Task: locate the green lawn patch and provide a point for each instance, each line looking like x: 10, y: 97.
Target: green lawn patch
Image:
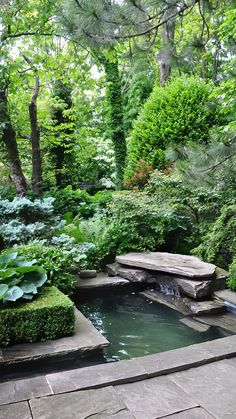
x: 48, y: 317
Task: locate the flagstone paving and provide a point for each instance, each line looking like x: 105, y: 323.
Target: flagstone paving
x: 201, y: 386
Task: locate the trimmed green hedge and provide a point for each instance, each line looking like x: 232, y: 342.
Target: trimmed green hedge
x: 48, y: 317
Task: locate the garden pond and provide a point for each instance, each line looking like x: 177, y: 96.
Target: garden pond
x: 136, y: 326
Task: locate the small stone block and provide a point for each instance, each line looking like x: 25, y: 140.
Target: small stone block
x: 87, y: 273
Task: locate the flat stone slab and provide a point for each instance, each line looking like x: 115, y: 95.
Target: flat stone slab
x: 212, y: 386
x: 226, y: 295
x: 85, y: 339
x: 205, y: 307
x: 174, y: 303
x: 96, y: 376
x: 102, y: 280
x: 188, y: 356
x: 189, y: 266
x: 15, y: 391
x: 100, y: 403
x: 225, y: 321
x: 193, y: 324
x: 154, y: 398
x: 195, y: 413
x: 15, y: 410
x: 136, y: 274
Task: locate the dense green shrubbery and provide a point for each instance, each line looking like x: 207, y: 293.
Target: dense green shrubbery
x: 177, y: 114
x: 135, y: 221
x: 58, y: 264
x: 50, y: 316
x: 72, y: 201
x: 19, y: 279
x: 219, y: 244
x: 232, y: 275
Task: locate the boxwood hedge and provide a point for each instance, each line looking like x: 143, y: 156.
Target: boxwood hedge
x: 48, y: 317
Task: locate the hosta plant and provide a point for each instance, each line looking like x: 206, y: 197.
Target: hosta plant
x: 19, y: 279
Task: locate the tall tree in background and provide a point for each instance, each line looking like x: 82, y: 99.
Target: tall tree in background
x: 62, y: 148
x: 8, y: 138
x: 35, y: 142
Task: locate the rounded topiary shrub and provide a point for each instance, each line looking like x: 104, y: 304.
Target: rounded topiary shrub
x: 178, y: 113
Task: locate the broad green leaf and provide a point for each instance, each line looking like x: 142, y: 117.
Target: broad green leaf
x: 8, y: 257
x: 28, y: 287
x: 3, y: 290
x: 26, y: 263
x: 7, y: 273
x: 13, y: 294
x: 39, y: 278
x: 27, y: 296
x: 26, y: 269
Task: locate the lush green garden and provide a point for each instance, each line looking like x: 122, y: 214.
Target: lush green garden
x: 118, y: 133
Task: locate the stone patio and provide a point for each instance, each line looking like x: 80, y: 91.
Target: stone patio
x: 195, y: 382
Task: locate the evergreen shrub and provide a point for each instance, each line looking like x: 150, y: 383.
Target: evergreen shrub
x: 219, y: 244
x: 178, y: 113
x: 50, y: 316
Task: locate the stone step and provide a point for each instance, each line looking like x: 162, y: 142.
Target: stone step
x: 183, y: 265
x: 102, y: 280
x: 205, y: 307
x: 195, y: 325
x: 174, y: 303
x: 226, y: 321
x: 226, y: 296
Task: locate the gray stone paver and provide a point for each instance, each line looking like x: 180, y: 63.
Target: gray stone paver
x: 15, y: 391
x: 203, y: 392
x: 99, y: 403
x: 154, y: 397
x: 213, y: 386
x: 195, y: 413
x: 15, y: 411
x: 96, y: 376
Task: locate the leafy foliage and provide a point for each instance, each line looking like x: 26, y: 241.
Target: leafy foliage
x: 232, y: 275
x: 219, y: 244
x: 19, y: 278
x: 180, y: 113
x: 57, y: 263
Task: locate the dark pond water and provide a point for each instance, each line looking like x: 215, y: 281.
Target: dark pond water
x: 137, y: 327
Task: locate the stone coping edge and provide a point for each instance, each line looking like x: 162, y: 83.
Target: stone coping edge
x: 155, y: 365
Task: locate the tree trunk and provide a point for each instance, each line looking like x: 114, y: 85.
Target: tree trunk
x: 114, y: 94
x: 166, y: 55
x: 8, y: 137
x: 35, y: 142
